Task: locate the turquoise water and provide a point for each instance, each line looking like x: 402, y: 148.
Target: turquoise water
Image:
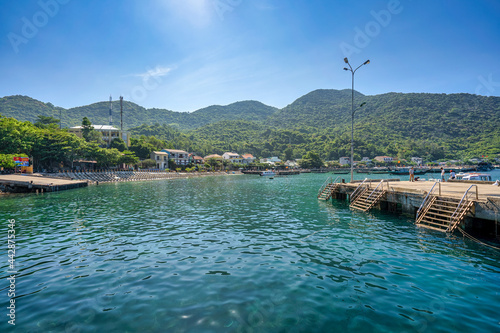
x: 236, y: 254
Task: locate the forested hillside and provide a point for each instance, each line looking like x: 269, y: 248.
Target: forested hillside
x: 25, y: 108
x: 432, y: 126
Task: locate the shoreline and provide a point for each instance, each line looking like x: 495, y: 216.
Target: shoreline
x: 50, y: 182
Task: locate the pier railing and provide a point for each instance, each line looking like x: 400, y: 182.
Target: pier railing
x: 358, y: 190
x: 327, y: 182
x: 427, y: 200
x: 376, y: 188
x: 461, y: 209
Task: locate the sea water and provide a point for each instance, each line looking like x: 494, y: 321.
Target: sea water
x: 235, y: 253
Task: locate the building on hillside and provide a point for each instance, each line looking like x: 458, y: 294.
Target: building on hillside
x: 248, y: 158
x: 232, y: 157
x: 345, y: 161
x: 417, y: 160
x: 270, y: 160
x: 291, y: 164
x: 197, y: 160
x: 365, y: 159
x: 180, y: 157
x: 161, y: 159
x: 385, y: 159
x: 109, y: 133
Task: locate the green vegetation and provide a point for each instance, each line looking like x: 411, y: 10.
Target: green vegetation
x: 50, y: 147
x: 431, y: 126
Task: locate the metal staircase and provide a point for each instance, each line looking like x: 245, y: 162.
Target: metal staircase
x: 363, y: 198
x: 444, y: 214
x: 327, y: 189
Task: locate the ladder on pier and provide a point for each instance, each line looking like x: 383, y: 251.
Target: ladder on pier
x: 444, y: 214
x: 328, y: 188
x: 364, y: 198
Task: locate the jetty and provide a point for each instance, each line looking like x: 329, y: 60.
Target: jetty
x: 30, y: 183
x: 440, y: 206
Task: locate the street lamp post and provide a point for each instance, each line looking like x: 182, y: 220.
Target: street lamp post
x: 352, y: 111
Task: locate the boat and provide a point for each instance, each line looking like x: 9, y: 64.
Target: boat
x: 474, y: 176
x: 406, y: 171
x: 268, y: 173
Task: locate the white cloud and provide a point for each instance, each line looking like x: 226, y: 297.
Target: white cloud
x: 158, y: 71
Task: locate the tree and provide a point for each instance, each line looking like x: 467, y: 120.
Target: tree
x: 7, y: 161
x: 119, y: 144
x: 47, y: 122
x: 128, y: 158
x: 311, y: 160
x: 142, y: 149
x: 87, y: 128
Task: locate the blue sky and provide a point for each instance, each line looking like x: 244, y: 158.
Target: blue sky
x: 183, y: 55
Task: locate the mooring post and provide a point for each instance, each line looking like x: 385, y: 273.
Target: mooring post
x: 439, y: 188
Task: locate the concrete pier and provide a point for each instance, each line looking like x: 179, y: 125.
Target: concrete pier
x: 406, y: 197
x: 29, y: 183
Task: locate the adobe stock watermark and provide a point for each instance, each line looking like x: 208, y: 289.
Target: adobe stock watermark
x: 363, y: 37
x: 11, y: 293
x: 487, y: 84
x: 223, y: 6
x: 31, y: 26
x: 151, y: 80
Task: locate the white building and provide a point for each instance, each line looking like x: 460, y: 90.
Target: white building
x: 344, y: 161
x: 108, y: 133
x: 270, y: 160
x: 417, y: 160
x: 161, y: 159
x: 232, y: 157
x: 385, y: 159
x: 180, y: 157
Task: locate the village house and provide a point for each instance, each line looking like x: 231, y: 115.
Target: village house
x: 180, y: 157
x: 270, y: 160
x: 385, y: 159
x: 344, y: 161
x: 232, y: 157
x: 197, y: 160
x: 161, y: 159
x: 248, y: 158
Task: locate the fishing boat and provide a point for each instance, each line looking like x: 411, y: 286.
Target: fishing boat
x: 268, y: 173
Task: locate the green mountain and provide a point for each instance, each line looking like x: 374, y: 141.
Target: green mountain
x: 25, y: 108
x: 432, y: 126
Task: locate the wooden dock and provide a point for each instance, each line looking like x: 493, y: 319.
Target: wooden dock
x: 30, y: 183
x: 440, y: 206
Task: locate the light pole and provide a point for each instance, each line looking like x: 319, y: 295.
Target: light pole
x: 352, y: 111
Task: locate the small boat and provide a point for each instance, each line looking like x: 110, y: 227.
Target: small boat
x: 474, y: 176
x: 268, y: 173
x: 406, y: 171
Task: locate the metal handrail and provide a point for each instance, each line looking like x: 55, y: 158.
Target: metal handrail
x: 464, y: 197
x: 425, y: 199
x: 325, y: 184
x: 354, y: 194
x: 381, y: 182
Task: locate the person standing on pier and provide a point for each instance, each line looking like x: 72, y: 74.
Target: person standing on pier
x: 412, y: 175
x: 442, y: 175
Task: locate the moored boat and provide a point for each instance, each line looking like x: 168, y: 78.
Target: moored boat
x: 474, y: 176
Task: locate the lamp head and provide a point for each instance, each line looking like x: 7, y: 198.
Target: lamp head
x: 366, y: 62
x: 346, y: 69
x: 345, y: 60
